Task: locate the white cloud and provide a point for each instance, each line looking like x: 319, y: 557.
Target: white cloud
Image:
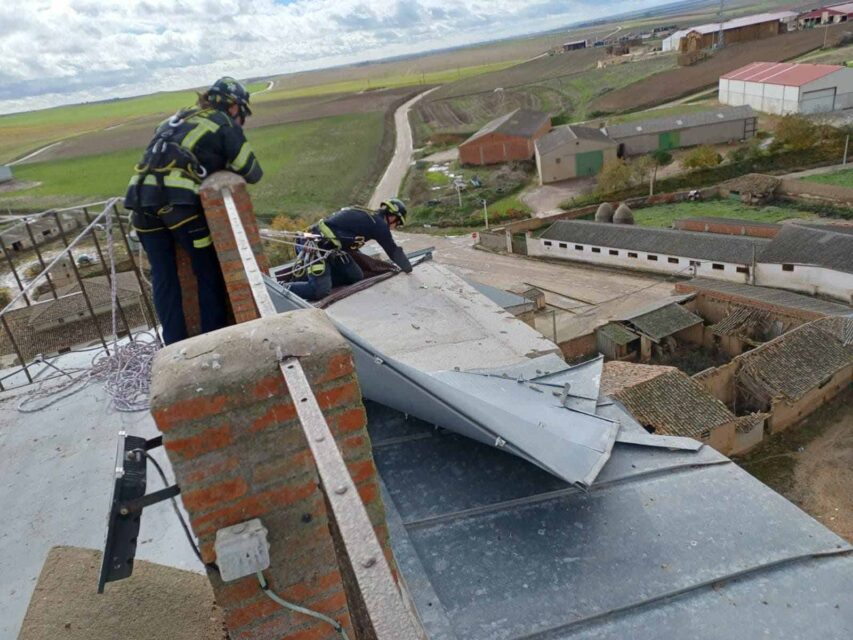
x: 60, y: 51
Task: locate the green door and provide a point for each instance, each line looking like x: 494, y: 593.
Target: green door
x: 589, y: 163
x: 669, y: 140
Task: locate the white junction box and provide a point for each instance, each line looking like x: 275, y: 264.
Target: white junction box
x: 242, y: 550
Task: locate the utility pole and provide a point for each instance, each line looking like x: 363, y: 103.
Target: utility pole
x: 554, y: 325
x: 486, y: 215
x: 721, y: 38
x: 846, y: 146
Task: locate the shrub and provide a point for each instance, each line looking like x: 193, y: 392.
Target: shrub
x: 795, y: 132
x: 615, y: 176
x: 702, y: 157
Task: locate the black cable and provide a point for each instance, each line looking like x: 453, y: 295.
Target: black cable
x: 174, y: 505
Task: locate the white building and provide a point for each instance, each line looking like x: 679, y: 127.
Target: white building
x: 815, y: 259
x: 787, y: 87
x: 668, y: 251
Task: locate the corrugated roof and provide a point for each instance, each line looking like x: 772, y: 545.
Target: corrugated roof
x: 810, y: 245
x: 800, y: 360
x: 751, y: 294
x: 696, y: 245
x: 70, y: 300
x: 675, y: 123
x: 789, y: 74
x: 618, y: 333
x: 735, y: 23
x: 675, y: 404
x: 521, y: 122
x: 569, y: 134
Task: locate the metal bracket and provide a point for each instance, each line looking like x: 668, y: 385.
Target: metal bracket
x: 126, y: 505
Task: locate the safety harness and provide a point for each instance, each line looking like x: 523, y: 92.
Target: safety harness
x: 169, y: 162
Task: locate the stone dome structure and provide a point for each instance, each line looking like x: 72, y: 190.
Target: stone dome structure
x: 604, y: 213
x: 623, y: 215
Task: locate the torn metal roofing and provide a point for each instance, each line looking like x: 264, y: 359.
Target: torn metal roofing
x: 663, y: 545
x: 429, y: 345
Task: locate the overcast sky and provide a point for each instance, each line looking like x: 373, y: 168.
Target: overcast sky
x: 61, y: 51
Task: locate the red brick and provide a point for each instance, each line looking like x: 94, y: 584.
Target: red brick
x: 241, y: 616
x: 330, y: 604
x: 275, y: 415
x: 189, y: 410
x: 368, y: 493
x: 204, y: 442
x: 349, y: 420
x: 337, y: 367
x: 362, y: 470
x: 214, y: 495
x: 232, y: 594
x: 252, y: 506
x: 208, y: 469
x: 347, y: 393
x: 312, y: 589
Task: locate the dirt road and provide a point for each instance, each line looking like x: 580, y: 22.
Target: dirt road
x: 390, y: 183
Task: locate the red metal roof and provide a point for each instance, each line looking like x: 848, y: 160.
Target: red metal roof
x: 785, y: 73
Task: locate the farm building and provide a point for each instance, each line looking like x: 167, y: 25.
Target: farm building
x: 649, y: 249
x: 510, y: 137
x: 574, y: 45
x: 571, y: 151
x: 744, y: 29
x: 787, y: 87
x: 814, y: 259
x: 673, y: 132
x: 6, y: 174
x: 832, y: 14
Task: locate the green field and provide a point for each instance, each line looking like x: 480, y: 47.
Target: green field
x: 21, y: 133
x: 843, y: 178
x: 664, y: 215
x: 310, y: 168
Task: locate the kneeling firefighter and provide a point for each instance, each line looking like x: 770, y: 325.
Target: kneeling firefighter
x: 163, y: 195
x: 326, y: 256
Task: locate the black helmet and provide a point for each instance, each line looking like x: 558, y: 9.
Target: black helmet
x: 395, y: 207
x: 227, y: 91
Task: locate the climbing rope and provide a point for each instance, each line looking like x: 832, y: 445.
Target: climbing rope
x: 124, y: 369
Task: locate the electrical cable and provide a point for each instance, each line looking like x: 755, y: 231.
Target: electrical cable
x: 337, y: 626
x: 174, y: 502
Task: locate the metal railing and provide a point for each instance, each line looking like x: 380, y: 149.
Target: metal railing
x: 376, y: 604
x: 46, y: 316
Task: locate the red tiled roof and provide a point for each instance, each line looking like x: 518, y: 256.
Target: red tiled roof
x: 785, y: 73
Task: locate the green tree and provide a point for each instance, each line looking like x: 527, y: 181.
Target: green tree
x: 795, y: 132
x: 615, y: 176
x: 702, y: 157
x: 642, y: 169
x: 661, y: 157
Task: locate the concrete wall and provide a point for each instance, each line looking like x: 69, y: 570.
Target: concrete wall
x: 722, y: 438
x: 639, y: 260
x: 779, y: 99
x: 784, y: 414
x: 815, y: 192
x: 807, y: 279
x: 743, y: 442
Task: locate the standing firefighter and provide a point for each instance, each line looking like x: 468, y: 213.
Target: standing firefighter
x: 326, y: 258
x: 163, y: 195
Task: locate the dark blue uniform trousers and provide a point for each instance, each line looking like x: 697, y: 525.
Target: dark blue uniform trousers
x: 340, y: 270
x: 159, y: 244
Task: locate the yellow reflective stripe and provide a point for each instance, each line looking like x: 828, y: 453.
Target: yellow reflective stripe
x: 317, y: 268
x: 183, y: 222
x: 202, y: 243
x: 328, y: 233
x: 242, y: 157
x: 202, y: 126
x: 174, y: 180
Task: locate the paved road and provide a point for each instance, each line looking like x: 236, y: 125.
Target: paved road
x: 389, y: 185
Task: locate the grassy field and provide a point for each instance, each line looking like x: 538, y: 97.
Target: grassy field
x: 664, y: 215
x: 21, y: 133
x: 310, y: 168
x: 843, y: 178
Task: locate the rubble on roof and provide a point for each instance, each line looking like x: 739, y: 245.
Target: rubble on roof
x: 665, y: 321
